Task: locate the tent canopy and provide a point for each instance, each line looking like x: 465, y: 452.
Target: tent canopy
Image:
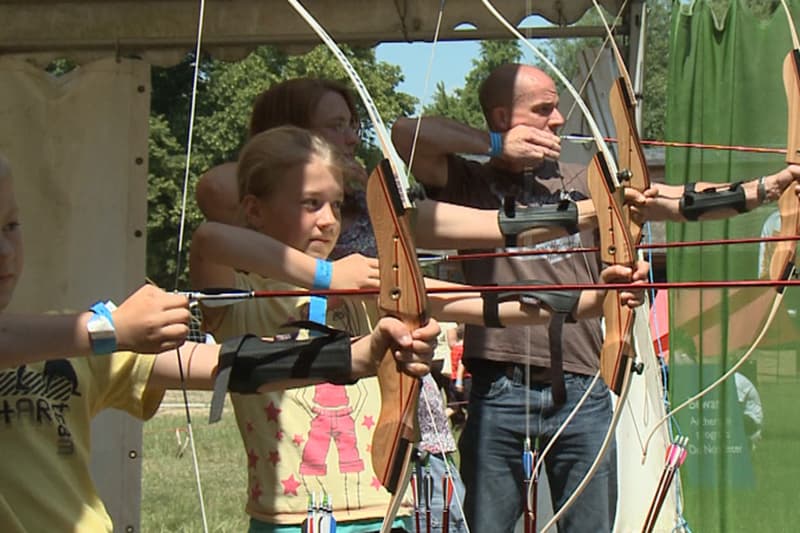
x: 162, y: 31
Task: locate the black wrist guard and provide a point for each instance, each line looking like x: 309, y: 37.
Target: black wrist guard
x: 248, y: 362
x: 513, y: 220
x: 694, y: 204
x: 560, y: 302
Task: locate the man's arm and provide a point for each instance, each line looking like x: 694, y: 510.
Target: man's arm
x: 521, y: 146
x: 662, y: 202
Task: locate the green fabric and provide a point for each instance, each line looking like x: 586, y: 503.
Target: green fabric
x: 726, y: 87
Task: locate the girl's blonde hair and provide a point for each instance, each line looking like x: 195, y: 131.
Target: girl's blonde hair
x: 267, y: 158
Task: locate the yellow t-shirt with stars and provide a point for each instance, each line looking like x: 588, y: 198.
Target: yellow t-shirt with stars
x: 311, y: 439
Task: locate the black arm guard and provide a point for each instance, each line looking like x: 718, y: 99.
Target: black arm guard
x: 560, y: 302
x: 694, y: 204
x: 247, y: 362
x: 513, y: 220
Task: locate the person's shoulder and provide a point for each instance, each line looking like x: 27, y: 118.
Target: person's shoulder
x: 223, y: 170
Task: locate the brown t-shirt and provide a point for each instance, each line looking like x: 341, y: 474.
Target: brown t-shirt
x: 479, y: 185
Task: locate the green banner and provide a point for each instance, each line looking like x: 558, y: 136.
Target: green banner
x: 726, y: 87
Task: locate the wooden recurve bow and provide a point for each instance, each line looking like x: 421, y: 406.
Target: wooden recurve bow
x: 402, y: 295
x: 402, y: 292
x: 633, y: 173
x: 782, y: 264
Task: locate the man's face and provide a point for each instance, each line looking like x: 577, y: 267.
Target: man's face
x: 535, y: 101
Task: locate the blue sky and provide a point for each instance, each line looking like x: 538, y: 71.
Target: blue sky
x: 451, y: 63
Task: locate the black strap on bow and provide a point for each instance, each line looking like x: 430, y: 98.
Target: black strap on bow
x: 561, y: 302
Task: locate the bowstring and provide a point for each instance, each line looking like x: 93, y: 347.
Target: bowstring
x: 380, y: 128
x: 439, y: 438
x: 607, y: 41
x: 574, y: 411
x: 179, y: 253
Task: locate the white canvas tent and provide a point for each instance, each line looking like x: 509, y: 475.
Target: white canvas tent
x: 78, y: 144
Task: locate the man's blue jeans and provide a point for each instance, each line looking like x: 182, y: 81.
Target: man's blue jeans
x: 492, y: 443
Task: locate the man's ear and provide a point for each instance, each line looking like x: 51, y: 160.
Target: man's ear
x: 501, y: 119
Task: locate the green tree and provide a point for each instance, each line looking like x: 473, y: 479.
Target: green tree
x: 565, y: 53
x: 463, y: 104
x: 225, y: 95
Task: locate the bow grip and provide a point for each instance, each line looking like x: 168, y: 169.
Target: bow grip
x: 616, y: 247
x: 629, y: 147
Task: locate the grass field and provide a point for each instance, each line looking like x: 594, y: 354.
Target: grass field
x: 169, y: 494
x: 170, y: 504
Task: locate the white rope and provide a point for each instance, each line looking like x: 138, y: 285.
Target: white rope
x: 181, y: 230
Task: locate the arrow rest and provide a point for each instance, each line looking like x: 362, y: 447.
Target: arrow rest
x: 416, y: 192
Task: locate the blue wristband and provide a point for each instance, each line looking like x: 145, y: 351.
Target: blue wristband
x: 322, y: 275
x: 496, y: 140
x: 101, y: 329
x: 318, y: 306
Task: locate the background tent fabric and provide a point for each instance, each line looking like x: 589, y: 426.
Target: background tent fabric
x: 78, y: 150
x: 161, y: 32
x: 725, y: 86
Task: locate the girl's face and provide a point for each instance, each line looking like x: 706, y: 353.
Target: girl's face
x: 304, y: 212
x: 333, y: 121
x: 10, y: 242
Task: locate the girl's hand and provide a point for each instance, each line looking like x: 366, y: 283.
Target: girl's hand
x: 355, y: 271
x: 413, y: 350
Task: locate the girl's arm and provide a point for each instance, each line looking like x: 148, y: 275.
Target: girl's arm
x: 218, y: 250
x: 413, y: 351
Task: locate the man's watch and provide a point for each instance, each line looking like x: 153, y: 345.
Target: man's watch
x: 102, y: 335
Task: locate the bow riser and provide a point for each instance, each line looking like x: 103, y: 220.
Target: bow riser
x: 616, y: 250
x: 783, y: 258
x: 629, y: 148
x: 402, y: 295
